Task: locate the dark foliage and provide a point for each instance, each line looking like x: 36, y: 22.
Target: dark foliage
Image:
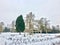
x: 20, y: 25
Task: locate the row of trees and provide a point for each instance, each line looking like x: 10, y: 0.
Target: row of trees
x: 43, y: 24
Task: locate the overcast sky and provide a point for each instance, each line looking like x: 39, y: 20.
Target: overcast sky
x: 11, y: 9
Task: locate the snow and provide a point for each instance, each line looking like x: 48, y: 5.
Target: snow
x: 26, y: 39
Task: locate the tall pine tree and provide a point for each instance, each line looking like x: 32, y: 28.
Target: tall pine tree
x: 20, y: 25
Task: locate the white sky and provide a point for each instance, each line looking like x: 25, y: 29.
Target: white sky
x: 10, y: 9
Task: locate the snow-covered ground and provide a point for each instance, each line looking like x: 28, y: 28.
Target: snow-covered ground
x: 26, y: 39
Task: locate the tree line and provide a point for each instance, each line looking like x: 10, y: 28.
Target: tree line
x: 43, y: 24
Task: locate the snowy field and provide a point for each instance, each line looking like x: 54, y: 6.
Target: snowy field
x: 26, y: 39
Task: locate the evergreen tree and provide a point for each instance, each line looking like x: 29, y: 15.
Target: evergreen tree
x: 20, y: 25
